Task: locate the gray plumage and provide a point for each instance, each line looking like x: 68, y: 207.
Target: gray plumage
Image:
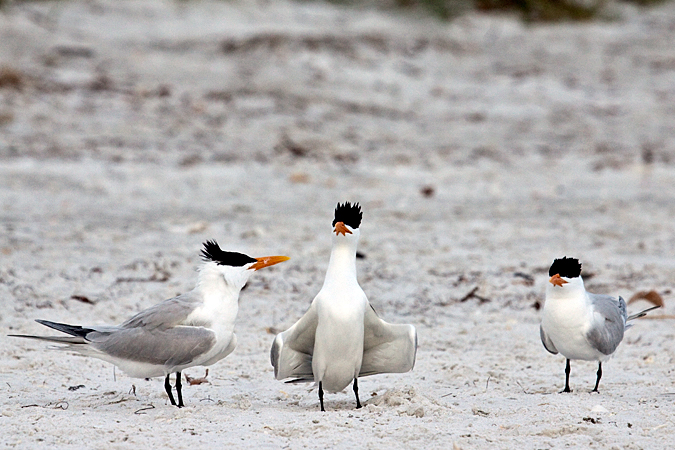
x: 578, y: 324
x: 606, y: 336
x: 387, y: 348
x: 151, y: 328
x: 166, y: 314
x: 193, y: 329
x: 187, y: 343
x: 548, y: 344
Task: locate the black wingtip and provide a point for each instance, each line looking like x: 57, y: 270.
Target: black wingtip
x: 565, y: 267
x: 299, y: 380
x: 348, y: 214
x: 73, y: 330
x: 54, y: 325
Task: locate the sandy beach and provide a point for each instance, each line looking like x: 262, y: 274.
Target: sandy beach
x: 480, y: 149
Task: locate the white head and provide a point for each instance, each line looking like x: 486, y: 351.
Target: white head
x: 235, y: 268
x: 565, y: 278
x: 346, y: 224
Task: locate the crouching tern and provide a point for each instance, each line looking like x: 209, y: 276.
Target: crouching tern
x: 193, y: 329
x: 578, y: 324
x: 341, y: 338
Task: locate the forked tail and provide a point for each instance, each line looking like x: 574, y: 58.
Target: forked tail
x: 77, y: 333
x: 641, y: 313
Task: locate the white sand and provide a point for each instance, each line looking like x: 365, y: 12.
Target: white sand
x: 142, y: 129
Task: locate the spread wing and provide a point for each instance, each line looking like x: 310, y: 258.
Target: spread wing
x: 609, y: 323
x: 166, y: 314
x: 548, y: 345
x: 292, y: 350
x: 387, y: 348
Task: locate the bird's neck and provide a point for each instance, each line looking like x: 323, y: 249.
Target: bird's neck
x: 342, y: 264
x: 571, y: 296
x: 216, y: 290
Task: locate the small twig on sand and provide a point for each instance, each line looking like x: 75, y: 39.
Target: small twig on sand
x: 83, y: 299
x: 140, y: 411
x: 521, y: 386
x: 58, y: 405
x: 472, y: 294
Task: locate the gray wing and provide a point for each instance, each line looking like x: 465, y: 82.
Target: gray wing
x: 166, y: 314
x: 609, y: 323
x: 292, y: 350
x: 548, y: 345
x: 170, y: 347
x: 387, y: 348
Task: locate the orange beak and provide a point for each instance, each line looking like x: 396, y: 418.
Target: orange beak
x: 556, y: 280
x: 268, y: 261
x: 340, y: 227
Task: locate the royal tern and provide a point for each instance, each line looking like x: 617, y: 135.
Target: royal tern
x: 341, y: 338
x: 578, y: 324
x: 193, y: 329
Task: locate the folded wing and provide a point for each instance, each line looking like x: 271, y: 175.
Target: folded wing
x: 387, y: 348
x: 609, y: 323
x: 171, y: 347
x: 548, y: 344
x: 167, y: 314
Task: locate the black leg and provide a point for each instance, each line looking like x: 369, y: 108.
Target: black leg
x: 179, y: 391
x: 321, y: 395
x: 597, y: 380
x: 167, y: 388
x: 356, y: 392
x: 567, y: 377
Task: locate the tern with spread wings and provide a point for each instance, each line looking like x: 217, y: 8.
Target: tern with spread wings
x: 193, y: 329
x: 341, y: 338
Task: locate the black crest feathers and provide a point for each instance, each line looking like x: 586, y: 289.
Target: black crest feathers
x: 212, y: 252
x: 348, y: 214
x: 565, y: 267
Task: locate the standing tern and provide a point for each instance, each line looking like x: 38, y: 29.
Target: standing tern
x: 192, y: 329
x: 578, y: 324
x: 341, y: 338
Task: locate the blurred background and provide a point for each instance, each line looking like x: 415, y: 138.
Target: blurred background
x: 399, y: 82
x: 482, y: 138
x: 498, y: 133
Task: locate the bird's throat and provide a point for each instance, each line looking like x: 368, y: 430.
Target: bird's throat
x: 342, y: 264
